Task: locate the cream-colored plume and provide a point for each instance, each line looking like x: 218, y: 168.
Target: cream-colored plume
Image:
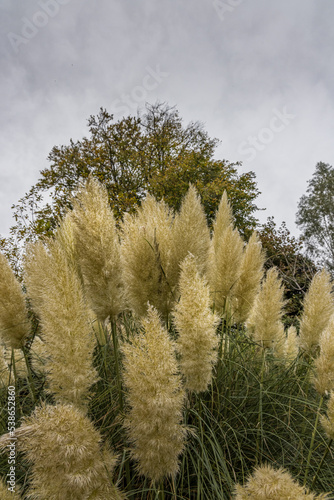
x: 264, y: 321
x: 286, y: 344
x: 225, y: 256
x: 327, y: 421
x: 196, y: 325
x: 318, y: 308
x: 14, y: 322
x: 97, y: 248
x: 324, y: 363
x: 65, y: 322
x: 191, y: 233
x: 66, y: 456
x: 249, y: 282
x: 274, y: 484
x: 146, y: 258
x: 36, y: 273
x: 156, y: 399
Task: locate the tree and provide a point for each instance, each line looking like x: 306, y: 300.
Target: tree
x: 151, y: 153
x: 315, y: 215
x: 285, y: 252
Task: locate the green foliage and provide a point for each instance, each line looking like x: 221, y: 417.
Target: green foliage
x: 153, y: 153
x: 315, y: 215
x: 285, y: 252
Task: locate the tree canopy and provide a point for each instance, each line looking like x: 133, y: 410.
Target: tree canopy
x: 285, y: 252
x: 150, y: 153
x: 315, y: 216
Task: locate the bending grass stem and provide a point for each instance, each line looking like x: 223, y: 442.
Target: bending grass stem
x: 259, y: 440
x: 30, y: 379
x: 116, y: 357
x: 322, y: 461
x: 312, y: 440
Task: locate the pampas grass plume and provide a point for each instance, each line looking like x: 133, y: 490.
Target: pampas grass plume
x: 274, y: 484
x: 264, y: 321
x: 191, y: 233
x: 97, y: 248
x: 14, y: 322
x: 196, y: 324
x: 327, y: 421
x: 225, y: 256
x: 249, y: 282
x: 67, y: 461
x: 318, y: 308
x: 324, y: 363
x: 146, y: 258
x: 156, y: 398
x: 36, y: 271
x: 65, y: 323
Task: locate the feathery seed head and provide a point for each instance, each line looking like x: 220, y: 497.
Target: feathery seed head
x: 264, y: 321
x: 268, y: 483
x: 318, y: 308
x: 225, y: 255
x: 191, y: 232
x: 196, y: 325
x: 65, y: 452
x: 65, y: 323
x: 14, y: 322
x: 97, y: 247
x: 249, y: 282
x: 156, y: 398
x: 36, y: 270
x: 286, y: 344
x: 327, y: 421
x: 324, y: 363
x: 146, y: 257
x: 224, y: 217
x: 224, y: 265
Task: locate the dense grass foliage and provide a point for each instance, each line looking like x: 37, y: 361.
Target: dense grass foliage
x: 258, y: 409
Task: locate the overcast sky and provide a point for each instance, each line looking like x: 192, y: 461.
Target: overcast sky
x: 258, y: 73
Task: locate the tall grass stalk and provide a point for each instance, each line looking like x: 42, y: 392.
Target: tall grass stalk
x: 312, y: 440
